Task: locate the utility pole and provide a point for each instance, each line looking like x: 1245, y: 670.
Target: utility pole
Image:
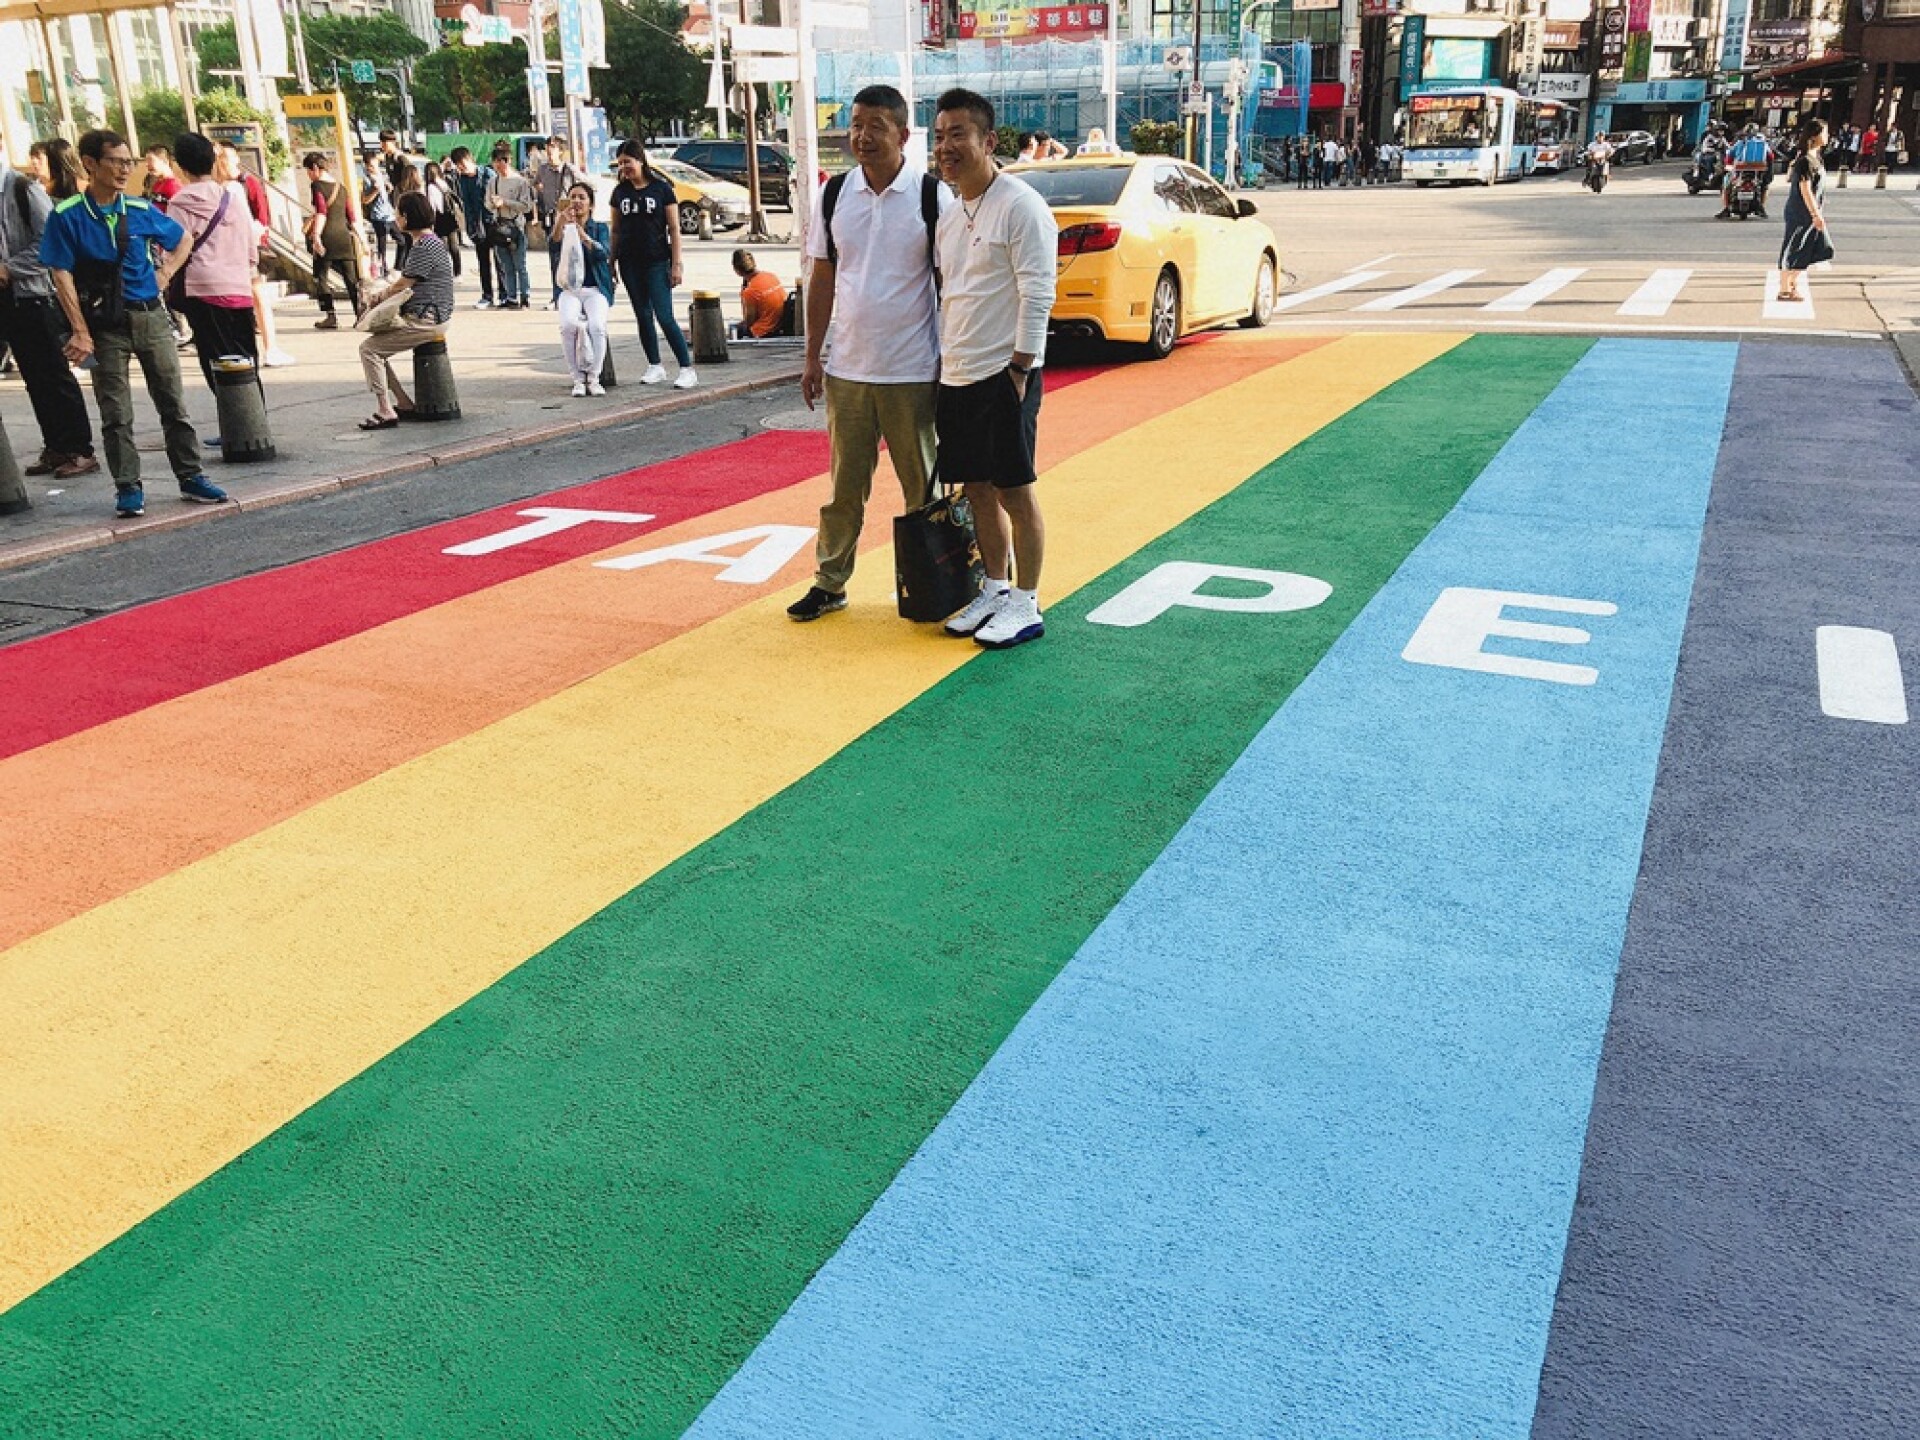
x: 1193, y: 120
x: 300, y: 48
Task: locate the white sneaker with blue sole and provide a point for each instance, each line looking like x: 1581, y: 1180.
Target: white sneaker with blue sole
x: 1014, y: 623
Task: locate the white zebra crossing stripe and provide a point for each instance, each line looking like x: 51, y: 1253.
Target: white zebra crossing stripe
x: 1413, y: 294
x: 1772, y: 307
x: 1348, y: 281
x: 1656, y: 296
x: 1532, y: 293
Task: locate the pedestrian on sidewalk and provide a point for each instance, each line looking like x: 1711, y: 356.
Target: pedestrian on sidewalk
x: 470, y: 188
x: 1807, y: 242
x: 871, y: 277
x: 96, y: 246
x: 508, y: 203
x: 161, y: 184
x: 217, y: 279
x: 228, y: 169
x: 30, y: 325
x: 646, y: 246
x: 64, y: 178
x: 763, y: 299
x: 446, y: 210
x: 553, y: 181
x: 581, y: 253
x: 426, y: 282
x: 376, y: 203
x: 330, y: 237
x: 997, y: 258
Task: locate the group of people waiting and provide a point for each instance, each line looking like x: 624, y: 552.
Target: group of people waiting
x: 1312, y: 163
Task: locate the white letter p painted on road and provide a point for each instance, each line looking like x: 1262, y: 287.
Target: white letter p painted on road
x: 1462, y: 618
x: 1177, y: 583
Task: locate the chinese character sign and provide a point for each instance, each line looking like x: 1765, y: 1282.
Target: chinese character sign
x: 986, y: 20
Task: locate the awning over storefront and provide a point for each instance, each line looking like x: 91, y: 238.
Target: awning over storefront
x: 1836, y: 67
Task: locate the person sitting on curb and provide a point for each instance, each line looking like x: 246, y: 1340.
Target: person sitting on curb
x: 763, y: 299
x: 424, y: 288
x: 96, y: 247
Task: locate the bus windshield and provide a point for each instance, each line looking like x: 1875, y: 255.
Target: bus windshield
x: 1448, y: 122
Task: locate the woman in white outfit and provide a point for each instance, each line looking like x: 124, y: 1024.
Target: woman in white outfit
x: 581, y: 247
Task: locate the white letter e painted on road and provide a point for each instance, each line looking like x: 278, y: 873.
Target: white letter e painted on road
x: 1462, y: 618
x: 1177, y: 584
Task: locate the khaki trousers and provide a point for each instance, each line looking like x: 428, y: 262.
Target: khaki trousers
x: 378, y: 347
x: 148, y: 338
x: 859, y: 417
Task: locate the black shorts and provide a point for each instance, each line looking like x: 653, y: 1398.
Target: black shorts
x: 986, y: 432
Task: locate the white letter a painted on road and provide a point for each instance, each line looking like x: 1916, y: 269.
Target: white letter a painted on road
x: 773, y: 546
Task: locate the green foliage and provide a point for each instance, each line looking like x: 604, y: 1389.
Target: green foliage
x: 1157, y: 137
x: 335, y: 39
x: 478, y: 87
x: 654, y: 79
x: 229, y: 107
x: 159, y: 115
x: 1006, y: 141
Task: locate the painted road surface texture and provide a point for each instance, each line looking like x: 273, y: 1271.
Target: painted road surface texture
x: 575, y: 1001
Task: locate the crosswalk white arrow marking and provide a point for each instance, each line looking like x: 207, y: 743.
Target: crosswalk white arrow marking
x: 1859, y: 675
x: 1653, y: 299
x: 1333, y: 287
x: 1772, y: 307
x: 1531, y: 294
x: 1413, y: 294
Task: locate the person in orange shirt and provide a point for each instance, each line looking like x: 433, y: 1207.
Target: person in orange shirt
x: 763, y: 299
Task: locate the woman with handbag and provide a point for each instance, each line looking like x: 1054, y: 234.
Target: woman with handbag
x: 446, y: 211
x: 1806, y: 242
x: 214, y: 289
x: 581, y: 250
x: 376, y: 202
x: 509, y: 201
x: 407, y: 313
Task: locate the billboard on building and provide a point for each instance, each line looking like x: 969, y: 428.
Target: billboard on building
x: 997, y: 20
x: 1613, y: 40
x: 1733, y: 37
x: 1771, y: 43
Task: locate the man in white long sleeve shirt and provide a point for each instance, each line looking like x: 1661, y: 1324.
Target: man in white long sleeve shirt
x: 998, y: 249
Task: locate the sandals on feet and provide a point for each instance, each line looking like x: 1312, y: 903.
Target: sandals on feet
x: 374, y: 422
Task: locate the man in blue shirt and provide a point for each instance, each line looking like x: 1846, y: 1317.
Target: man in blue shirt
x: 1750, y: 152
x: 96, y: 247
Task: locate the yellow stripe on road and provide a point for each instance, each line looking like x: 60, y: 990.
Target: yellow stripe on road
x: 150, y: 1041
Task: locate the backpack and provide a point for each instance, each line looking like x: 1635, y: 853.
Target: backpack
x: 929, y: 212
x: 23, y: 205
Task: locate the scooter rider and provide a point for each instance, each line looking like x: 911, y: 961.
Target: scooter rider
x: 1750, y: 152
x: 1599, y: 161
x: 1709, y: 158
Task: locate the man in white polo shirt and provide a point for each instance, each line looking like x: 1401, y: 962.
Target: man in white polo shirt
x: 998, y: 248
x: 872, y: 277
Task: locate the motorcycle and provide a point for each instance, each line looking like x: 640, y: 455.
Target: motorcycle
x: 1745, y: 201
x: 1704, y: 173
x: 1597, y: 172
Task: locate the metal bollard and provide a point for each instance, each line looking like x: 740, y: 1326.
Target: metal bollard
x: 1880, y: 178
x: 244, y: 434
x: 707, y: 329
x: 434, y: 395
x: 1840, y: 181
x: 13, y: 484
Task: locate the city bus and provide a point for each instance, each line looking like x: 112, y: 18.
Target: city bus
x: 1479, y: 134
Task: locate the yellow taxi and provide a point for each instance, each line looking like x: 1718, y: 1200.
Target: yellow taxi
x: 1152, y: 248
x: 725, y: 202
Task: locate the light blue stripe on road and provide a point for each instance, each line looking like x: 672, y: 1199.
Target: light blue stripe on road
x: 1289, y: 1148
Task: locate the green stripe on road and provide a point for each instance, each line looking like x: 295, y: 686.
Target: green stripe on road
x: 578, y: 1202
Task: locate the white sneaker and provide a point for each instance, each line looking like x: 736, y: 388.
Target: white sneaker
x: 685, y: 380
x: 277, y: 359
x: 1014, y: 623
x: 594, y: 387
x: 655, y: 374
x: 579, y: 390
x: 983, y: 608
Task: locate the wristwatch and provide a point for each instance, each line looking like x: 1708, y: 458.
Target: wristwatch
x: 1021, y: 370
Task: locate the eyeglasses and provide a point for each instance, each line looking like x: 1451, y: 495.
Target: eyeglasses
x: 119, y: 162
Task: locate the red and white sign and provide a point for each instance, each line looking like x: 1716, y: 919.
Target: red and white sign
x: 1015, y: 23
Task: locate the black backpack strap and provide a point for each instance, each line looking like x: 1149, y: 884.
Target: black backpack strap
x: 828, y: 199
x: 930, y: 212
x: 22, y: 203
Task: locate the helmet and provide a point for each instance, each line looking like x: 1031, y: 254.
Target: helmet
x: 1752, y: 129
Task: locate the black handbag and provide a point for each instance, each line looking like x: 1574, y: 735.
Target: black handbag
x: 936, y: 556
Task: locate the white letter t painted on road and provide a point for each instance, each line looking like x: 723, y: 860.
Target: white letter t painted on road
x: 547, y: 520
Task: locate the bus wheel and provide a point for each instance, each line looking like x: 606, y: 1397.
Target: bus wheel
x: 1421, y: 184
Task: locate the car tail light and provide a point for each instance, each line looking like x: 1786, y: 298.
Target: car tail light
x: 1085, y: 239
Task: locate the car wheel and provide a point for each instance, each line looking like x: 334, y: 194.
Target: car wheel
x: 1262, y: 310
x: 1164, y: 319
x: 689, y: 219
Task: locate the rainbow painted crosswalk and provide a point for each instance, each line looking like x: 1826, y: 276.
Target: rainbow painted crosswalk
x: 569, y: 999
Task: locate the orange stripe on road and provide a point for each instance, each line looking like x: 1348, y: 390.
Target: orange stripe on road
x: 94, y: 816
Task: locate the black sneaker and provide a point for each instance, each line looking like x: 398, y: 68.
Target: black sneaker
x: 815, y: 603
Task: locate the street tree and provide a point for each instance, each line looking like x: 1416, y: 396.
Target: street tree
x: 652, y: 78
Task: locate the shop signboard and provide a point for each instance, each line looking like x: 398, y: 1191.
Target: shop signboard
x: 1562, y: 35
x: 1378, y: 9
x: 1413, y: 42
x: 1563, y: 87
x: 997, y: 20
x: 1733, y: 37
x: 1316, y: 4
x: 1613, y: 40
x: 1670, y: 31
x: 1772, y: 43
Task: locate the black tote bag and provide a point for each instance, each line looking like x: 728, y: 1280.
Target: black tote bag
x: 936, y: 556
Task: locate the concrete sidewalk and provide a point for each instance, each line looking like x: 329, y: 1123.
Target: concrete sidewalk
x: 513, y: 391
